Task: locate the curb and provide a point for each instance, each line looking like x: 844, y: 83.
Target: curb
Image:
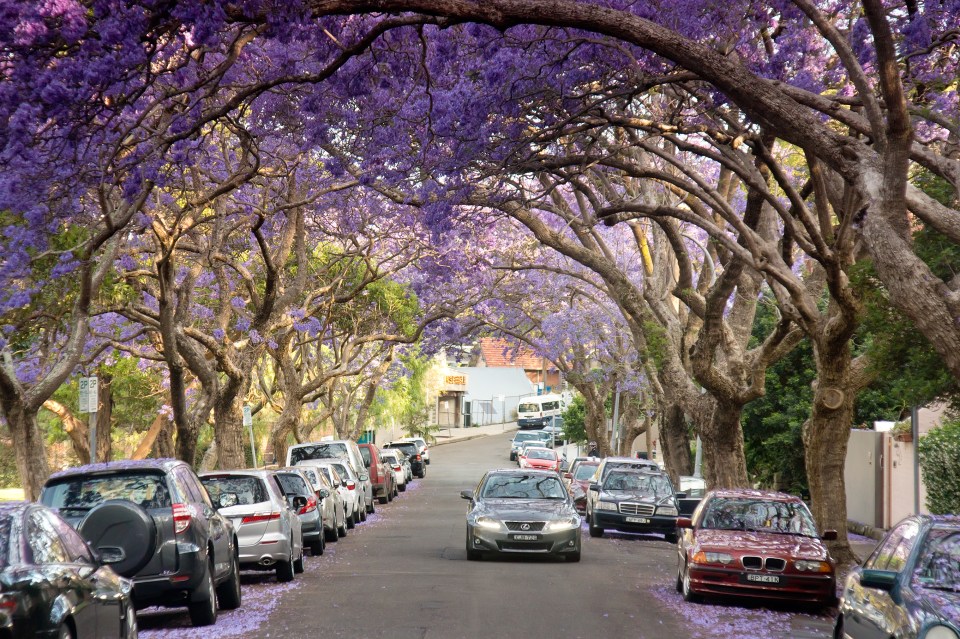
x: 460, y: 439
x: 865, y: 530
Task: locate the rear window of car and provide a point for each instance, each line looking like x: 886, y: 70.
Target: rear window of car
x: 148, y: 490
x: 249, y: 490
x: 4, y: 540
x: 311, y: 475
x: 365, y: 453
x: 318, y: 451
x: 585, y: 471
x: 538, y: 453
x: 408, y: 447
x: 526, y: 437
x: 293, y: 483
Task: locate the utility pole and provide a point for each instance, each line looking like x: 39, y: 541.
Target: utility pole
x: 616, y: 422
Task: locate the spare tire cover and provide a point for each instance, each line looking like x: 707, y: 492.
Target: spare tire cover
x: 123, y: 533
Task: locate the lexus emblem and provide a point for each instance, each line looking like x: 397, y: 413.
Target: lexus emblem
x: 524, y: 526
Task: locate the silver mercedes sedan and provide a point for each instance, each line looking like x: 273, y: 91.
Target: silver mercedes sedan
x: 522, y: 511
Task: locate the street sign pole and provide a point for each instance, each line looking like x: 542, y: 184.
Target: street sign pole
x: 248, y: 422
x: 89, y: 402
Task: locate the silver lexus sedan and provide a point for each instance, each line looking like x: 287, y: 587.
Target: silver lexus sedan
x: 269, y: 532
x: 522, y: 511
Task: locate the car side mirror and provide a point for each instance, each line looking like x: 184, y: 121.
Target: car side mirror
x: 227, y: 500
x: 299, y: 501
x: 364, y: 477
x: 829, y: 535
x: 879, y: 579
x: 684, y: 522
x: 595, y: 487
x: 324, y: 493
x: 466, y: 494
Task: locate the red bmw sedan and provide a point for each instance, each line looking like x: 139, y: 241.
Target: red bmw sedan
x: 755, y: 544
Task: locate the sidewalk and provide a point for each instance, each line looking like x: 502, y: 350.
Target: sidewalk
x: 451, y: 435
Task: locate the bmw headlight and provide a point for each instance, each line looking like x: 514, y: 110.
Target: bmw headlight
x: 940, y: 632
x: 569, y: 523
x: 667, y: 510
x: 488, y: 522
x: 804, y: 565
x: 607, y: 505
x: 713, y: 558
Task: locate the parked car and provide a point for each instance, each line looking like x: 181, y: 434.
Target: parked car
x: 381, y: 475
x: 909, y: 587
x: 294, y: 482
x: 635, y: 501
x: 350, y: 493
x: 527, y: 445
x: 542, y: 458
x: 333, y: 450
x: 398, y: 464
x: 520, y: 437
x: 422, y: 447
x: 52, y: 585
x: 417, y: 465
x: 555, y: 429
x: 268, y: 528
x: 154, y: 523
x: 578, y: 479
x: 334, y: 509
x: 757, y: 545
x: 603, y: 469
x: 522, y: 511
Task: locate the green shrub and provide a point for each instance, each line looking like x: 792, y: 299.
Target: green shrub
x: 574, y: 417
x: 940, y: 462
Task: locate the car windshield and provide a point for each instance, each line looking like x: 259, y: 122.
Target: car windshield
x: 293, y: 484
x: 613, y: 465
x: 538, y: 453
x: 525, y: 437
x: 249, y: 490
x: 939, y: 563
x: 148, y: 490
x: 528, y: 408
x: 523, y: 487
x: 761, y: 515
x: 656, y: 485
x: 318, y: 451
x: 4, y: 540
x: 585, y: 471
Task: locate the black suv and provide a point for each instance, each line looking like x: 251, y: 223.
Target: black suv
x: 417, y: 465
x: 153, y: 522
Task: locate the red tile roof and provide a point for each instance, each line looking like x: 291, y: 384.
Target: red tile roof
x: 496, y: 352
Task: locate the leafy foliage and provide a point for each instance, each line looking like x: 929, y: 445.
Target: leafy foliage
x: 940, y: 462
x: 574, y: 421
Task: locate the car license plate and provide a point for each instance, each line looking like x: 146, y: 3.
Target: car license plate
x: 638, y: 520
x: 764, y: 579
x: 526, y: 537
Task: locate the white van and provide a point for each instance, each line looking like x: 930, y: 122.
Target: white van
x: 536, y: 411
x: 336, y: 449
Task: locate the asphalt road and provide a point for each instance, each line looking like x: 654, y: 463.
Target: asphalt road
x: 404, y: 574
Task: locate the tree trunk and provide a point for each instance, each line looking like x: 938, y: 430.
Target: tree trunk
x: 724, y: 463
x: 29, y: 449
x: 287, y: 422
x: 825, y: 437
x: 228, y: 433
x: 165, y: 447
x: 595, y: 422
x: 675, y: 443
x: 75, y: 427
x: 104, y: 418
x: 150, y: 438
x: 633, y: 422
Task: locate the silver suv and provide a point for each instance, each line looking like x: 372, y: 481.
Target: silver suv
x: 267, y: 525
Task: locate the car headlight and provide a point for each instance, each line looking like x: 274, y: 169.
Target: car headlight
x: 569, y: 523
x: 712, y: 558
x: 804, y: 565
x: 667, y: 510
x: 940, y: 632
x: 488, y: 522
x: 607, y: 505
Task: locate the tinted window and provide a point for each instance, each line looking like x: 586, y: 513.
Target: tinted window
x: 148, y: 490
x: 249, y: 490
x: 528, y: 408
x: 408, y: 448
x: 45, y: 544
x: 525, y: 437
x: 939, y: 563
x: 551, y: 405
x: 365, y: 453
x: 76, y: 547
x: 657, y: 485
x: 585, y: 471
x: 318, y: 451
x: 893, y: 554
x: 293, y: 484
x: 758, y: 514
x: 517, y: 486
x: 624, y: 464
x: 538, y: 453
x: 192, y: 491
x: 4, y: 540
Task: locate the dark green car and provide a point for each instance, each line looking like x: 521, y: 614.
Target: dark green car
x: 909, y: 587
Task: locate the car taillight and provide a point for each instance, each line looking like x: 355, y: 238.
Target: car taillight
x: 8, y: 603
x: 351, y: 485
x: 181, y: 518
x: 398, y: 467
x: 416, y: 458
x: 310, y: 505
x: 258, y: 517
